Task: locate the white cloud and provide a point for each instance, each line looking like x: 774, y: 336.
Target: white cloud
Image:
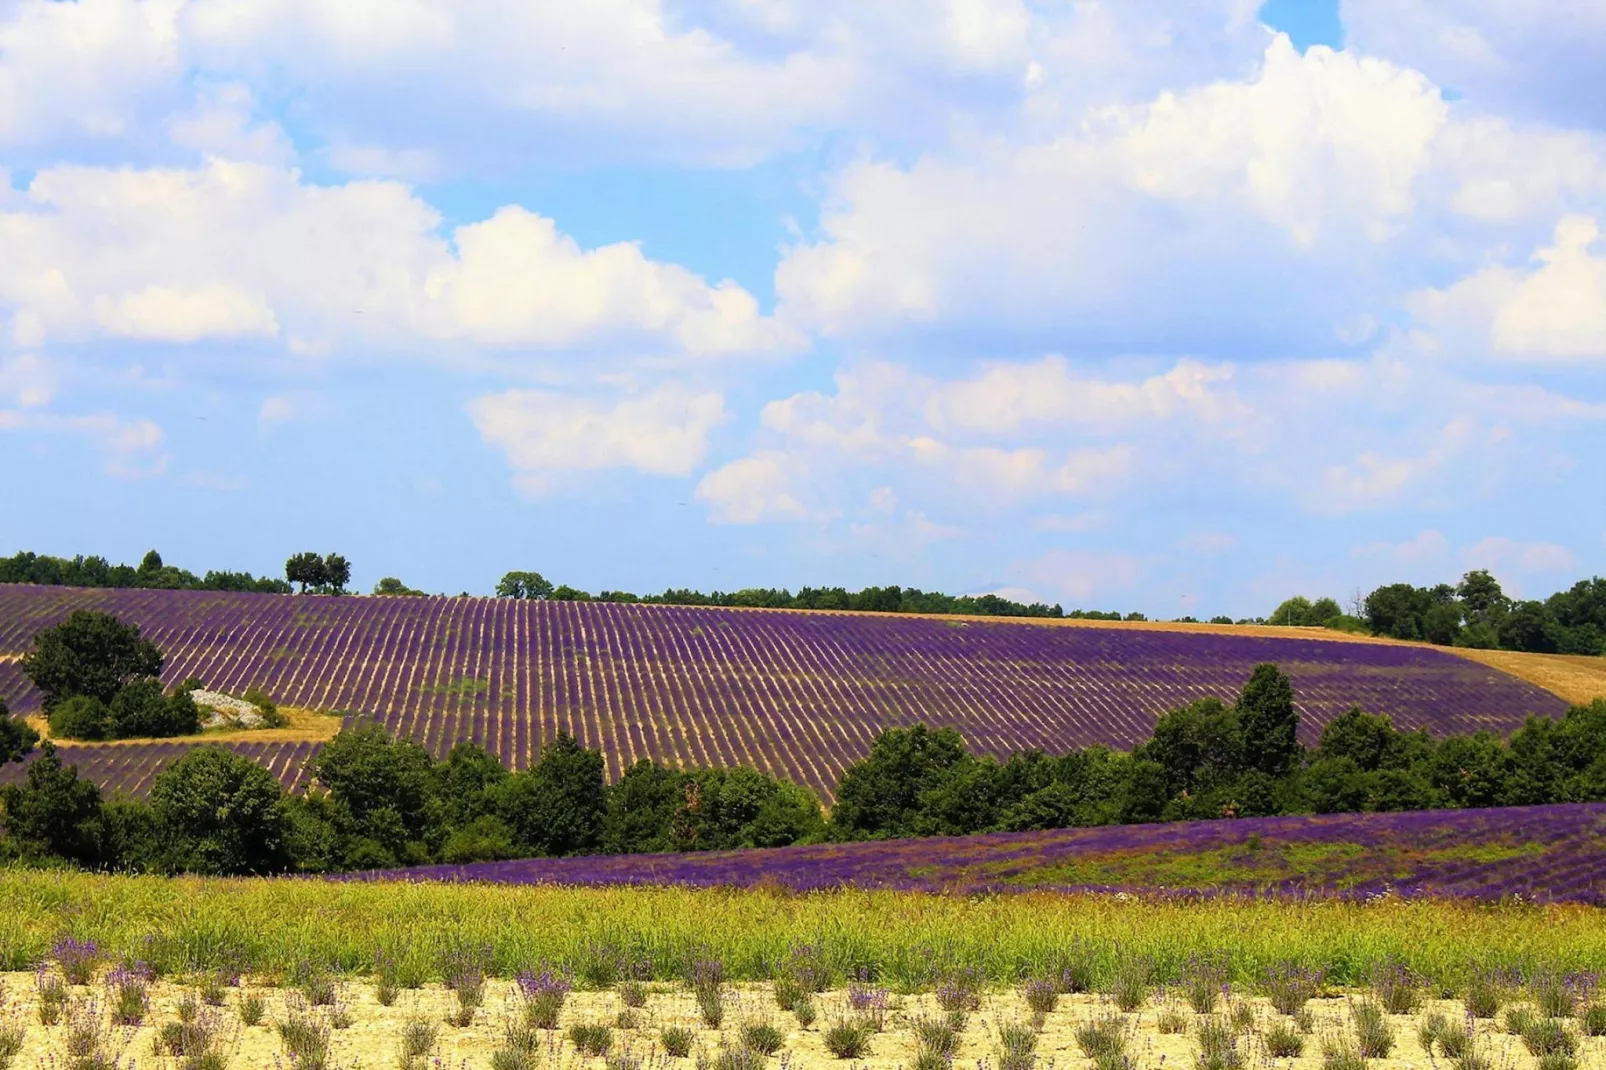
x: 1501, y: 555
x: 86, y: 70
x: 28, y: 380
x: 548, y: 436
x: 1555, y: 312
x: 1527, y: 58
x: 239, y: 249
x: 160, y: 313
x: 1077, y: 575
x: 1007, y: 396
x: 1373, y: 479
x: 1423, y: 553
x: 1138, y: 221
x: 755, y: 489
x: 128, y: 446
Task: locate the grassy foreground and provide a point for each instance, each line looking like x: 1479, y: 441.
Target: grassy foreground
x: 275, y: 925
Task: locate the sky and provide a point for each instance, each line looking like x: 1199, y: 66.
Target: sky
x: 1176, y: 306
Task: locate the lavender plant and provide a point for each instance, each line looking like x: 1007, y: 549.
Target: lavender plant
x: 1290, y: 986
x: 543, y: 994
x: 1217, y: 1045
x: 128, y: 993
x: 77, y: 959
x: 1395, y: 987
x: 1204, y: 979
x: 51, y: 991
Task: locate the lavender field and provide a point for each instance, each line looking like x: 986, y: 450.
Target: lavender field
x: 797, y: 694
x: 130, y: 768
x: 1539, y: 853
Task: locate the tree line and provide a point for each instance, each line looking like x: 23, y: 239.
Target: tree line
x: 95, y: 571
x: 891, y: 599
x: 1476, y: 612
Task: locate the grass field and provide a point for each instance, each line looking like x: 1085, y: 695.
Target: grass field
x: 275, y: 925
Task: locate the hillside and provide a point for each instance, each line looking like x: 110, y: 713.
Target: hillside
x: 1549, y: 853
x: 795, y: 693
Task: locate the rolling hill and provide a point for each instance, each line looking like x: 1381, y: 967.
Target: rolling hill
x: 796, y: 693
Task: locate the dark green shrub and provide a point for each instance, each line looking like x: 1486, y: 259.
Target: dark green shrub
x: 80, y: 717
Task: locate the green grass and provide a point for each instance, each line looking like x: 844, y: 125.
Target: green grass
x: 191, y: 923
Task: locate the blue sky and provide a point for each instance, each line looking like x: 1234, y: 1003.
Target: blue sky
x: 1172, y: 306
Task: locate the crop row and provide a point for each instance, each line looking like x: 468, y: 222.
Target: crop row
x: 797, y: 694
x: 129, y: 768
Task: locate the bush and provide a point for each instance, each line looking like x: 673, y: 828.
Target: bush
x: 220, y: 813
x: 17, y: 737
x: 141, y: 711
x: 80, y: 717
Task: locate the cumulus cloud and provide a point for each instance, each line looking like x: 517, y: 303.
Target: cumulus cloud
x: 1182, y: 207
x: 1555, y: 311
x: 1077, y: 575
x: 1508, y: 556
x: 754, y: 489
x: 234, y: 249
x: 1528, y: 59
x: 548, y: 436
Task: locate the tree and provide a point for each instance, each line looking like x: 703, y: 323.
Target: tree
x: 336, y: 573
x: 80, y: 717
x: 558, y: 805
x: 17, y: 737
x: 1368, y: 740
x: 383, y: 791
x: 1527, y: 627
x: 881, y: 796
x: 306, y: 569
x: 1482, y: 599
x: 52, y: 812
x: 89, y: 653
x: 141, y: 711
x: 524, y: 585
x: 1199, y: 746
x: 466, y: 782
x: 390, y: 585
x: 220, y: 813
x: 1269, y: 722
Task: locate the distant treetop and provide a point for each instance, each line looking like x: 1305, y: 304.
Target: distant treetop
x: 95, y: 571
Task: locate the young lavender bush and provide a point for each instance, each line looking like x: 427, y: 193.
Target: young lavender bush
x: 676, y: 1041
x: 1017, y: 1046
x: 591, y: 1038
x: 1128, y: 985
x: 1485, y: 992
x: 463, y: 969
x: 1283, y: 1041
x: 543, y: 995
x: 1041, y: 995
x: 1218, y: 1045
x: 128, y: 993
x: 418, y: 1038
x: 1204, y: 979
x: 1395, y: 987
x: 1373, y: 1034
x: 870, y: 1002
x: 77, y: 959
x: 305, y: 1040
x: 51, y: 990
x: 705, y: 975
x: 1290, y: 986
x: 386, y: 986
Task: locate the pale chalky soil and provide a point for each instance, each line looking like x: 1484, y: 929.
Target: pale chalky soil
x: 372, y: 1038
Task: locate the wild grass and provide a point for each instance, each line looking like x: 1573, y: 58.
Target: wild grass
x: 273, y: 926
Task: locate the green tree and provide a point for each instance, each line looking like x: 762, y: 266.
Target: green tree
x: 1482, y: 599
x: 80, y: 717
x: 383, y: 795
x: 881, y: 796
x: 141, y: 711
x: 336, y: 573
x: 1199, y: 746
x: 307, y: 569
x: 1269, y: 722
x: 642, y: 809
x: 89, y: 653
x: 1368, y: 740
x: 524, y: 585
x: 17, y: 736
x: 220, y: 813
x: 558, y: 805
x: 53, y: 812
x: 466, y: 781
x: 390, y: 585
x: 1527, y: 626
